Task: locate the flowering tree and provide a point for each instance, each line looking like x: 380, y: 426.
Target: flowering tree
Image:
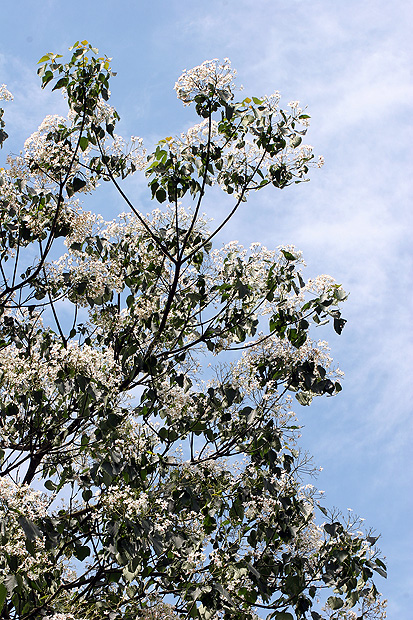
x: 149, y: 458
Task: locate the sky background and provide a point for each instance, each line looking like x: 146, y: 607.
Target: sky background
x: 349, y: 62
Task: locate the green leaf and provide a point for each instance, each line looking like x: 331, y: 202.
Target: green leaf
x: 161, y: 195
x: 304, y: 398
x: 340, y: 294
x: 46, y: 78
x: 284, y: 615
x: 11, y: 583
x: 60, y: 83
x: 382, y: 572
x: 87, y: 495
x: 178, y: 541
x: 163, y: 433
x: 83, y: 143
x: 76, y: 246
x: 296, y: 337
x: 288, y: 255
x: 78, y: 184
x: 334, y: 602
x: 157, y: 544
x: 224, y: 593
x: 30, y: 529
x: 81, y: 553
x: 229, y: 112
x: 332, y: 528
x: 296, y: 141
x: 3, y: 595
x: 339, y: 324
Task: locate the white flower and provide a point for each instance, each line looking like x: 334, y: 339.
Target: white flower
x: 5, y: 95
x: 209, y: 79
x: 61, y: 617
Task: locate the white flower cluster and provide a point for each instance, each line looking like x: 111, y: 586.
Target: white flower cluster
x: 35, y: 215
x: 98, y: 364
x: 104, y: 113
x: 117, y: 146
x: 60, y: 616
x: 123, y: 500
x: 255, y: 265
x: 5, y: 95
x: 320, y: 284
x: 264, y: 507
x: 176, y: 401
x: 195, y: 559
x: 368, y: 608
x: 209, y: 78
x: 82, y: 223
x: 134, y: 439
x: 215, y: 558
x: 20, y: 373
x: 134, y: 151
x: 42, y: 150
x: 243, y: 157
x: 272, y: 348
x: 120, y: 500
x: 90, y: 268
x: 22, y: 499
x: 308, y: 541
x: 98, y: 274
x: 127, y: 231
x: 195, y: 136
x: 54, y: 158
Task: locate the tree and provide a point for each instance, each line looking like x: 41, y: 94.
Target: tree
x: 150, y: 465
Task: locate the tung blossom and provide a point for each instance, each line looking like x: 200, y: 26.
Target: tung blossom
x: 19, y: 501
x: 21, y: 373
x: 5, y: 95
x: 21, y: 498
x: 209, y: 78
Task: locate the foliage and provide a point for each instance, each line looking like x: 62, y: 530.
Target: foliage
x: 149, y: 459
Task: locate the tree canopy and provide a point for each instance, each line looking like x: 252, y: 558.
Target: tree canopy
x: 150, y: 460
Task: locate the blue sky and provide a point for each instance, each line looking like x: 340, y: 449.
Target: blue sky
x: 349, y: 62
